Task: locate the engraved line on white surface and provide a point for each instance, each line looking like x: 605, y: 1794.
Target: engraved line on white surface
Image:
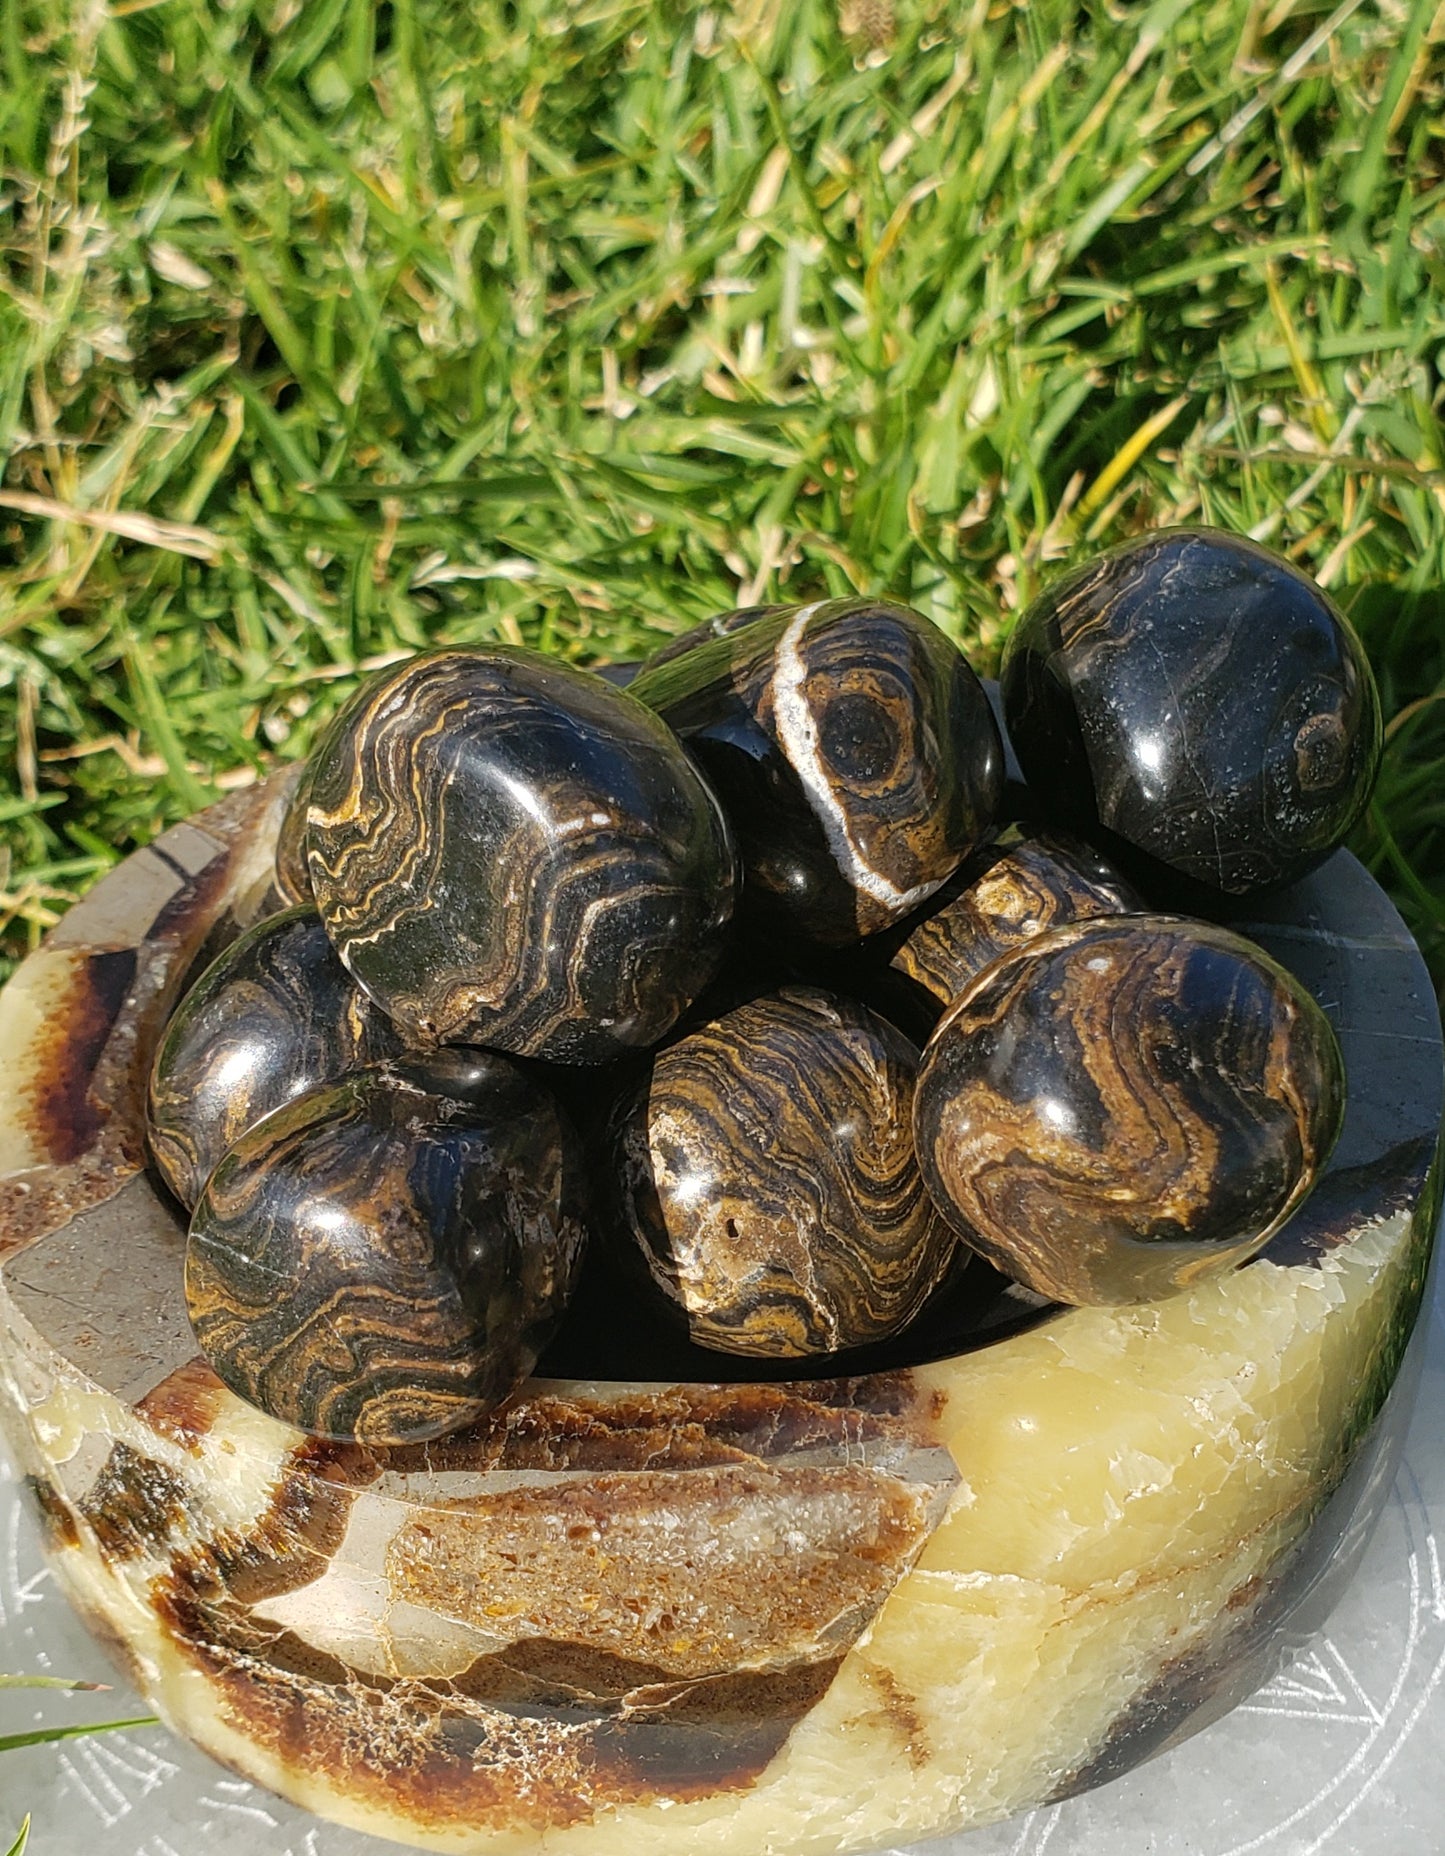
x: 312, y: 1848
x: 150, y: 1772
x: 103, y: 1779
x: 1320, y: 1717
x: 1410, y: 1723
x: 155, y: 1846
x: 1353, y: 1679
x: 21, y: 1592
x: 73, y: 1779
x: 1051, y: 1824
x: 1025, y: 1831
x: 1305, y: 1679
x: 240, y: 1810
x: 1366, y: 1746
x: 1437, y: 1585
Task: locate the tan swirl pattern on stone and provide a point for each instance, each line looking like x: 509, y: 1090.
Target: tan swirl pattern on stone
x: 275, y: 1015
x: 854, y: 751
x: 769, y: 1177
x: 510, y: 852
x: 1124, y: 1107
x: 1027, y: 883
x: 381, y: 1264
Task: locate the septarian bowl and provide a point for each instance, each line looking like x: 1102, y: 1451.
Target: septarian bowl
x: 803, y: 1616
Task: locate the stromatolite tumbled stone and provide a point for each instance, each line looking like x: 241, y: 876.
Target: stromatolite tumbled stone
x: 377, y: 1262
x: 508, y: 851
x: 854, y: 752
x: 270, y: 1018
x: 768, y: 1177
x: 1126, y: 1106
x: 1029, y: 881
x: 1203, y: 700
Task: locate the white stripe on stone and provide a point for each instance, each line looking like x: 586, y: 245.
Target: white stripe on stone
x: 798, y: 738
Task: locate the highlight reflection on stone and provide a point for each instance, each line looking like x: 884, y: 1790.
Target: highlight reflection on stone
x: 1027, y: 882
x: 377, y: 1263
x: 1127, y: 1106
x: 768, y: 1176
x: 720, y: 625
x: 853, y: 750
x: 508, y: 851
x: 1202, y: 699
x: 275, y: 1015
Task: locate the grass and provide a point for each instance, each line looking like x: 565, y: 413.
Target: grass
x: 44, y: 1736
x: 332, y: 330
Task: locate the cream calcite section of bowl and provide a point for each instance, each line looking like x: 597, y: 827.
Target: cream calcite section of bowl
x: 809, y: 1617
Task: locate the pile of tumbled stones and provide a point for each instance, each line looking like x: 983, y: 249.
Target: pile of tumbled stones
x: 834, y: 992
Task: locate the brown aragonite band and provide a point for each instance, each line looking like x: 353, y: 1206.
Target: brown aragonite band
x: 511, y: 852
x: 1028, y: 881
x: 767, y: 1174
x: 1126, y: 1106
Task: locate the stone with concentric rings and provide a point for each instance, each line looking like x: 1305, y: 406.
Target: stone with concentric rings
x: 854, y: 752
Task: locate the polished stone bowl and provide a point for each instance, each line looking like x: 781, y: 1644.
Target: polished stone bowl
x: 798, y: 1616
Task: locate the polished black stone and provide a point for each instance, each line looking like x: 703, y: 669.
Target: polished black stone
x: 380, y: 1263
x: 767, y: 1177
x: 853, y: 750
x: 275, y: 1015
x: 1126, y: 1106
x: 1200, y: 699
x: 720, y: 625
x: 511, y: 852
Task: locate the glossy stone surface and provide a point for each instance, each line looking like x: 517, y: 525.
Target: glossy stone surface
x: 1201, y: 699
x: 270, y: 1018
x: 854, y: 752
x: 377, y: 1263
x: 510, y: 852
x: 768, y: 1177
x: 720, y: 625
x: 1027, y: 882
x: 1126, y: 1107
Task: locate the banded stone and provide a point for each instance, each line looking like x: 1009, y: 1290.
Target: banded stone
x: 273, y: 1016
x: 380, y: 1263
x: 1029, y: 881
x: 853, y: 750
x: 1201, y: 699
x: 769, y: 1181
x: 1127, y: 1106
x: 508, y: 851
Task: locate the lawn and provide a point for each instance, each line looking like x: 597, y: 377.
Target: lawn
x: 332, y: 330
